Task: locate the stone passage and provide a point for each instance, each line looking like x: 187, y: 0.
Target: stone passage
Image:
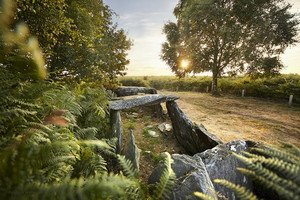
x: 132, y: 102
x: 140, y: 100
x: 193, y: 138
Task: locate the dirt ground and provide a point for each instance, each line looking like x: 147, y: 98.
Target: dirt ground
x: 232, y: 118
x: 140, y: 120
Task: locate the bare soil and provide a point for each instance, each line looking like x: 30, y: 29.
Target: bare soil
x: 232, y: 118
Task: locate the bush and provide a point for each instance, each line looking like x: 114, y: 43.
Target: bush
x: 280, y: 87
x: 134, y: 82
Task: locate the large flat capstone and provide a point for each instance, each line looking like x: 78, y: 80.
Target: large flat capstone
x: 129, y: 90
x: 140, y: 100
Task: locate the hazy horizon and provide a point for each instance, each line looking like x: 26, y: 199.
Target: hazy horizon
x: 143, y: 21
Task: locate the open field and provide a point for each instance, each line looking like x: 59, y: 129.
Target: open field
x: 279, y: 87
x: 232, y: 118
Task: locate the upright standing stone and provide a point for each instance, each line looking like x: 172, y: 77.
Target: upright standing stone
x: 132, y: 152
x: 117, y: 128
x: 193, y: 138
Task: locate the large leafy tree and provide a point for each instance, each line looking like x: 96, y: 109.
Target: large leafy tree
x: 229, y: 36
x: 78, y: 38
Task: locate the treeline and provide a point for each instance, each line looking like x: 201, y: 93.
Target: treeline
x: 279, y: 87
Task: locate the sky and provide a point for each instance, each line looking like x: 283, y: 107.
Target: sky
x: 143, y: 21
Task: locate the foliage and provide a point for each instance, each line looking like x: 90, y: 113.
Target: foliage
x: 161, y: 189
x: 51, y: 135
x: 279, y: 87
x: 275, y: 170
x: 45, y: 153
x: 134, y: 82
x: 221, y: 36
x: 165, y: 186
x: 79, y: 39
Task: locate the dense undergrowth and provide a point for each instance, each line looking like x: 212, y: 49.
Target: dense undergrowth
x: 55, y: 138
x: 279, y: 87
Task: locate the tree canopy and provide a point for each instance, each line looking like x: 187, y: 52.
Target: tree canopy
x: 229, y: 36
x: 78, y: 38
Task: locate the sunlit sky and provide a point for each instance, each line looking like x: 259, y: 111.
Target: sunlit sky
x: 143, y: 21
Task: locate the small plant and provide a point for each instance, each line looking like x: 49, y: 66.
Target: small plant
x: 129, y: 126
x: 157, y: 158
x: 161, y: 190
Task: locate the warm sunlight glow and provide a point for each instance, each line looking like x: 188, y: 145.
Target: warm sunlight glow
x: 185, y: 64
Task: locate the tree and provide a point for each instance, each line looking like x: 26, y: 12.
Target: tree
x: 78, y: 38
x: 229, y: 36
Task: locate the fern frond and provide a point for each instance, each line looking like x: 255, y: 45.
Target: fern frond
x: 203, y: 196
x: 290, y: 148
x: 112, y: 142
x: 239, y: 191
x: 18, y: 112
x: 55, y: 172
x: 95, y: 143
x: 88, y: 164
x: 166, y: 181
x: 86, y: 133
x: 93, y: 188
x: 133, y: 193
x: 267, y: 174
x: 280, y: 189
x: 287, y: 170
x: 273, y: 152
x: 128, y: 168
x: 23, y: 103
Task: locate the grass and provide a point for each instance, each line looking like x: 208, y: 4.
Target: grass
x: 129, y: 125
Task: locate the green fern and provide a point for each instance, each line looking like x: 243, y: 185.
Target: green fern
x: 276, y: 153
x: 88, y: 164
x: 98, y: 187
x: 167, y: 179
x: 267, y: 174
x: 203, y: 196
x: 280, y: 189
x: 290, y: 148
x: 239, y: 191
x: 285, y: 169
x: 128, y: 168
x: 86, y: 133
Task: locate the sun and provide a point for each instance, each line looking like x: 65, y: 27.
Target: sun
x: 184, y: 64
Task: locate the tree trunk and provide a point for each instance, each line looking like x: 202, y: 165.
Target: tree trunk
x: 214, y: 85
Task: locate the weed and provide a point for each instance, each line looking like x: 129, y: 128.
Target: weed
x: 129, y: 126
x: 156, y: 158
